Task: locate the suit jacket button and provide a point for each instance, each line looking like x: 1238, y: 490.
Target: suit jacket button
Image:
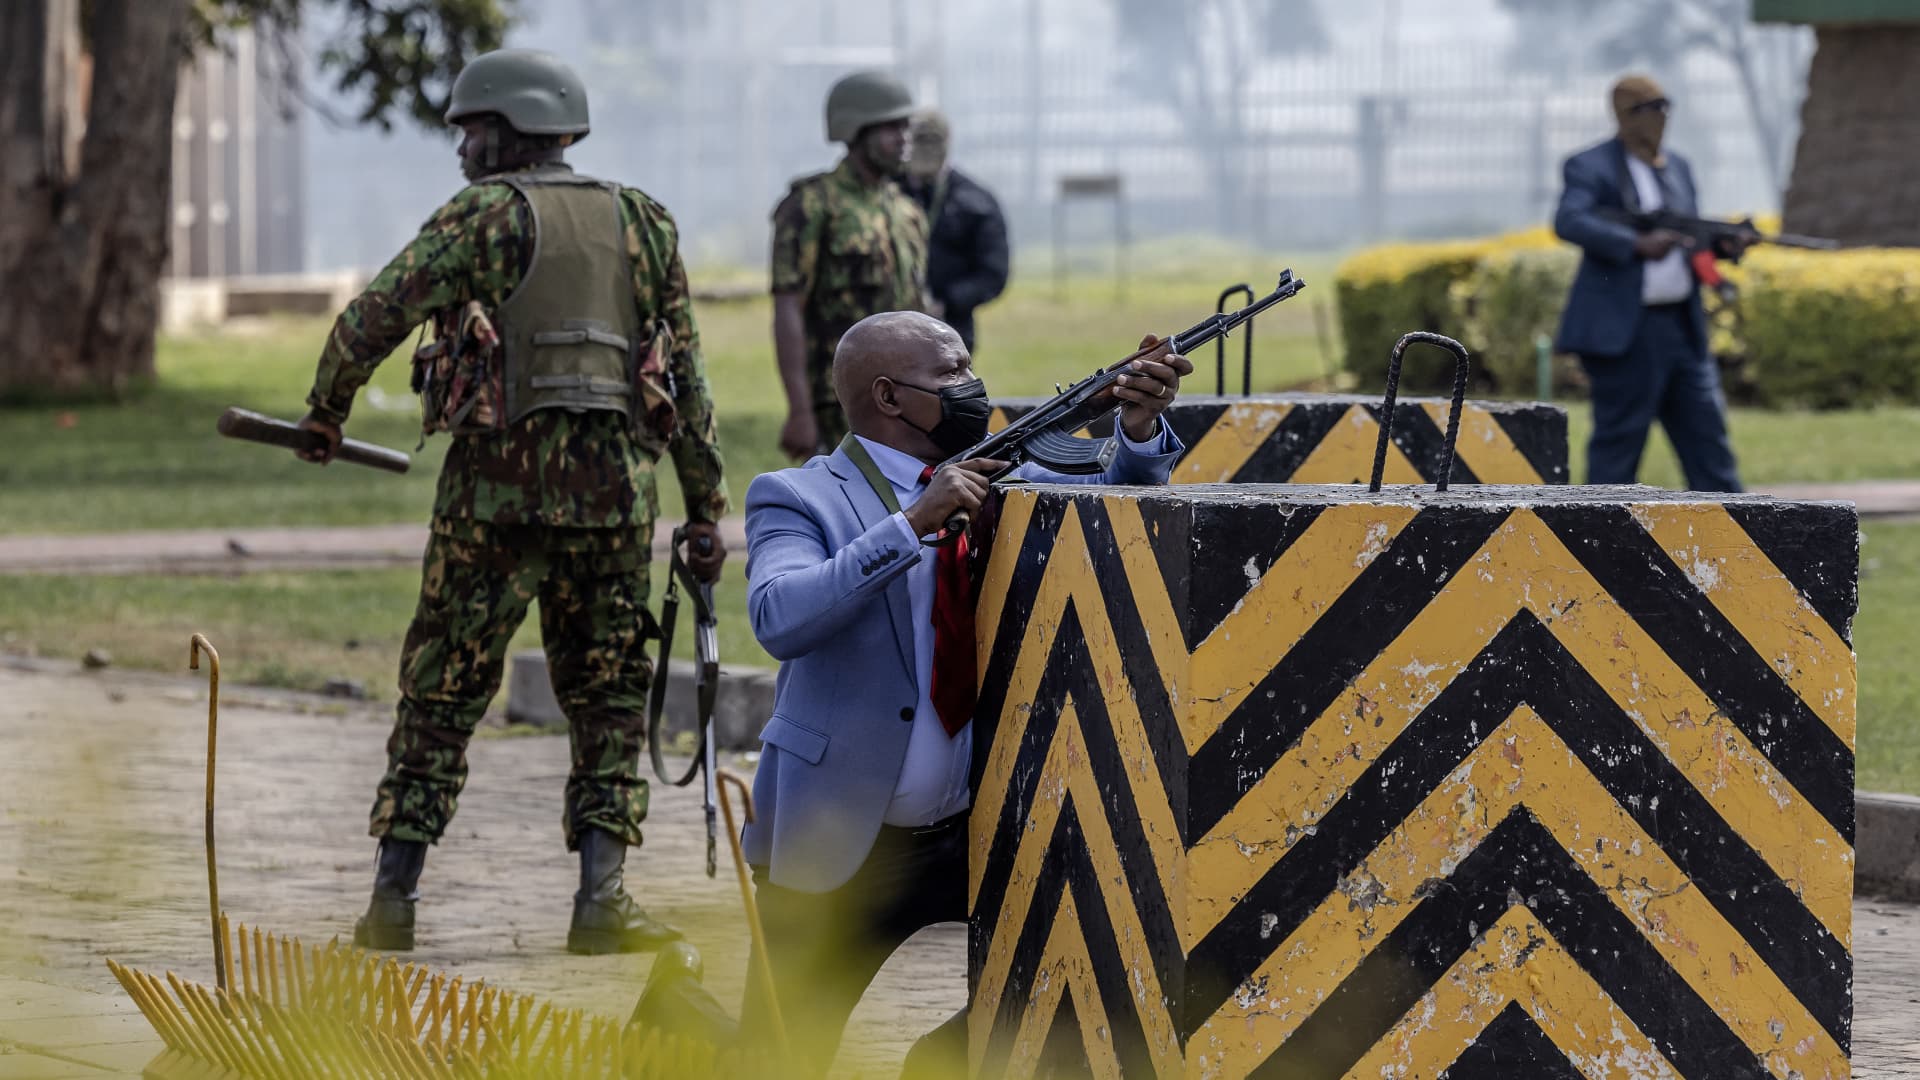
x: 907, y: 714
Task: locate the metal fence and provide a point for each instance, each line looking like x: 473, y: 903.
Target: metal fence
x: 1327, y: 151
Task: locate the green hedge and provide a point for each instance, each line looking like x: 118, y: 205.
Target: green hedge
x: 1832, y: 330
x: 1507, y: 304
x: 1812, y: 329
x: 1386, y: 291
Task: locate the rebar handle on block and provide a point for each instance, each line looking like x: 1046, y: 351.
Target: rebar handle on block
x: 1461, y: 363
x: 1246, y: 345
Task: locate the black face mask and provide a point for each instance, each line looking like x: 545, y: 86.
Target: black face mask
x: 964, y: 414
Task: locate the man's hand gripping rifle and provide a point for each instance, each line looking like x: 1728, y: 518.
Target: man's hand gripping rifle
x: 1713, y: 234
x: 1046, y: 435
x: 1708, y: 239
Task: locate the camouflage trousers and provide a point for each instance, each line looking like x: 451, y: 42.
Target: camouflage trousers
x: 475, y: 587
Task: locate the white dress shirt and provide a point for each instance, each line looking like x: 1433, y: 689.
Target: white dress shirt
x: 1667, y: 280
x: 933, y: 777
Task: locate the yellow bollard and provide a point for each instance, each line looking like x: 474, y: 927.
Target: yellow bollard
x: 765, y: 970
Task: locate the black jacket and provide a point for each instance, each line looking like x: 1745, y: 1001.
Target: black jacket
x: 967, y: 258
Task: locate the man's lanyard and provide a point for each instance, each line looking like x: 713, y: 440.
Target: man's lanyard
x: 876, y: 479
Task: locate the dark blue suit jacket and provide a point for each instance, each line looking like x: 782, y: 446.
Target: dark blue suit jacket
x: 1603, y: 310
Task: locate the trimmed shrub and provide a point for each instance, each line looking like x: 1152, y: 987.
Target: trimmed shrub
x: 1512, y: 298
x: 1385, y: 292
x: 1388, y: 290
x: 1831, y: 329
x: 1811, y: 329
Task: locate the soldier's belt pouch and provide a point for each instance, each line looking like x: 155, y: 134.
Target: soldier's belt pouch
x: 458, y: 374
x: 654, y: 414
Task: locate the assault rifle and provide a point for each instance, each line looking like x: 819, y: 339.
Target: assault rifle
x: 1046, y: 437
x: 706, y: 681
x: 1706, y: 233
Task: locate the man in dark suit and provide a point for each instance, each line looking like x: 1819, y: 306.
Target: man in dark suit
x: 967, y: 261
x: 1634, y: 316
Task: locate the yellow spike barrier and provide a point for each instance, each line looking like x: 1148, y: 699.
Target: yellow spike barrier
x: 290, y: 1011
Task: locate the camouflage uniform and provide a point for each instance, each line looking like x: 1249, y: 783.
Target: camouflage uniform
x: 559, y: 506
x: 850, y: 250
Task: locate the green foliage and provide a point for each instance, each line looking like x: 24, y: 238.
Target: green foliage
x: 1385, y: 292
x: 1831, y: 330
x: 395, y: 57
x: 1509, y: 301
x: 1823, y: 330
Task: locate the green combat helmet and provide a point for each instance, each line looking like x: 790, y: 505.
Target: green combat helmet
x: 863, y: 99
x: 533, y: 91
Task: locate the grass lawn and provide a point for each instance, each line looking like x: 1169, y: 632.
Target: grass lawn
x: 350, y: 623
x: 157, y: 463
x: 1786, y: 447
x: 1886, y: 637
x: 292, y: 630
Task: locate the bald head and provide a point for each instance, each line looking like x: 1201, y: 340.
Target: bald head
x: 1641, y: 106
x: 894, y: 349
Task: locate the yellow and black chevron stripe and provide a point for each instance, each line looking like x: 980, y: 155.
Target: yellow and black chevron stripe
x: 1329, y: 439
x: 1300, y: 782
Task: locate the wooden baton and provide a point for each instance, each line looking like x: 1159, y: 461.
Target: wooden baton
x: 254, y: 427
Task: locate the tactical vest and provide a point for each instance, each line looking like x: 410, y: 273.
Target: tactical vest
x: 568, y: 333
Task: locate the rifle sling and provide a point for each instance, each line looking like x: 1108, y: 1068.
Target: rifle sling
x: 657, y: 696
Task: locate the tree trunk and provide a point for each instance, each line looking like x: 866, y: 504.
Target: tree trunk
x: 1860, y: 139
x: 81, y: 253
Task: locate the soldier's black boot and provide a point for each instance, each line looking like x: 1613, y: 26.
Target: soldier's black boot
x: 388, y: 923
x: 605, y: 918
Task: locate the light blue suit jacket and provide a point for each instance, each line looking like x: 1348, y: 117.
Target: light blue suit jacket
x: 827, y: 596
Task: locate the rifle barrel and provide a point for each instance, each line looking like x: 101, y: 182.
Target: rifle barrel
x: 1811, y: 243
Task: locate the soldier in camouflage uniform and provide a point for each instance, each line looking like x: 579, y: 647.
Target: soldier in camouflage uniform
x: 547, y: 491
x: 846, y: 244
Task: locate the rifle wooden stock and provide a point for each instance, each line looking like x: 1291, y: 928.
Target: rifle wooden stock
x: 254, y: 427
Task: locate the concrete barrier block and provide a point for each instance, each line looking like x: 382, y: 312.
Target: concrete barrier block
x: 741, y: 708
x: 1329, y: 439
x: 1302, y: 781
x: 1889, y: 848
x: 188, y: 304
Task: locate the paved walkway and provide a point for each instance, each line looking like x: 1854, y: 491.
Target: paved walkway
x: 100, y: 855
x: 228, y: 551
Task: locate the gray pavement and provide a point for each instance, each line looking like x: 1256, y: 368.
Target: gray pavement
x: 239, y: 551
x: 100, y: 855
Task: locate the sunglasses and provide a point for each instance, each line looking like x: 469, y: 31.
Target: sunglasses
x: 1659, y: 105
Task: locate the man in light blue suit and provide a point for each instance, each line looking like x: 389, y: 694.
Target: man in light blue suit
x: 859, y: 838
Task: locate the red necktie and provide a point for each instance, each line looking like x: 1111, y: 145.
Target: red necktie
x: 956, y: 687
